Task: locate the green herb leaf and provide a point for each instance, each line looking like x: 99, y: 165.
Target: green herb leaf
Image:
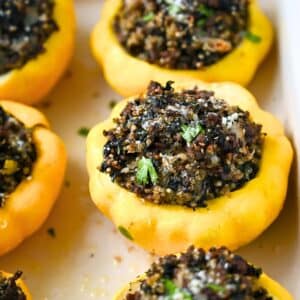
x: 83, y: 131
x: 146, y: 170
x: 190, y: 132
x: 205, y: 11
x: 169, y: 286
x: 173, y: 8
x: 201, y: 22
x: 172, y: 290
x: 149, y: 17
x: 125, y: 232
x: 216, y: 288
x: 253, y: 37
x: 112, y: 103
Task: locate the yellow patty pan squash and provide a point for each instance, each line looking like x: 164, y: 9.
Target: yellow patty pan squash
x: 129, y: 75
x: 274, y: 288
x: 20, y: 284
x: 232, y: 220
x: 28, y: 206
x: 38, y: 76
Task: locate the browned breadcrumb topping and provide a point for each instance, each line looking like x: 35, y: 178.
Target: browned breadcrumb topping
x: 25, y: 25
x: 18, y: 154
x: 182, y: 148
x: 181, y: 34
x: 216, y: 274
x: 9, y: 290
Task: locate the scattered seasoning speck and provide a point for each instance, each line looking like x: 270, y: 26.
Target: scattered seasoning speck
x: 181, y: 34
x: 44, y: 105
x: 67, y: 183
x: 25, y: 26
x: 118, y: 259
x: 112, y: 103
x: 51, y: 232
x: 18, y: 154
x: 216, y: 274
x: 130, y: 249
x: 252, y: 37
x: 182, y: 148
x: 9, y: 289
x: 83, y: 131
x: 125, y: 233
x: 68, y: 74
x: 92, y: 255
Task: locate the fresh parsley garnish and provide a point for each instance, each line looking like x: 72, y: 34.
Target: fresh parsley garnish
x: 125, y: 232
x: 146, y: 170
x: 190, y: 132
x: 149, y: 17
x: 83, y: 131
x: 201, y: 22
x: 216, y: 288
x: 205, y: 11
x: 172, y: 290
x: 252, y: 37
x: 173, y: 8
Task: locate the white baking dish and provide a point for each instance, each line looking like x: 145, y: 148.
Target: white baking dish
x: 87, y: 259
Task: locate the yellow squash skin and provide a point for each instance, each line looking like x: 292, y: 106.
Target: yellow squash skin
x: 274, y: 288
x: 29, y: 205
x: 34, y: 80
x: 130, y: 76
x: 232, y: 220
x: 20, y: 283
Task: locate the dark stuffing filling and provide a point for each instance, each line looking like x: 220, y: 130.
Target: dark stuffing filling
x: 182, y: 148
x: 9, y: 290
x: 181, y: 34
x: 25, y: 25
x: 17, y: 154
x: 214, y: 275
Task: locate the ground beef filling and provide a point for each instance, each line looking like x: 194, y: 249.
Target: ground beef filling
x: 25, y: 25
x: 17, y: 156
x: 214, y: 275
x: 183, y: 34
x: 182, y: 148
x: 9, y: 290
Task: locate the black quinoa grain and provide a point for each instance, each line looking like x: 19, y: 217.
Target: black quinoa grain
x: 217, y: 274
x: 183, y: 34
x: 18, y: 154
x: 25, y: 25
x: 219, y: 154
x: 9, y: 290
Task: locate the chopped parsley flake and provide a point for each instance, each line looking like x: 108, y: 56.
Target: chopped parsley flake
x: 190, y: 132
x: 173, y: 292
x: 173, y: 8
x: 112, y: 104
x: 146, y: 170
x: 252, y: 37
x: 83, y: 131
x: 205, y: 11
x: 149, y: 17
x: 125, y: 233
x: 216, y: 288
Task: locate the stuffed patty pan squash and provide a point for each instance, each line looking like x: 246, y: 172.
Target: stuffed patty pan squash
x: 32, y: 169
x: 197, y: 274
x: 168, y: 40
x: 172, y: 173
x: 37, y: 41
